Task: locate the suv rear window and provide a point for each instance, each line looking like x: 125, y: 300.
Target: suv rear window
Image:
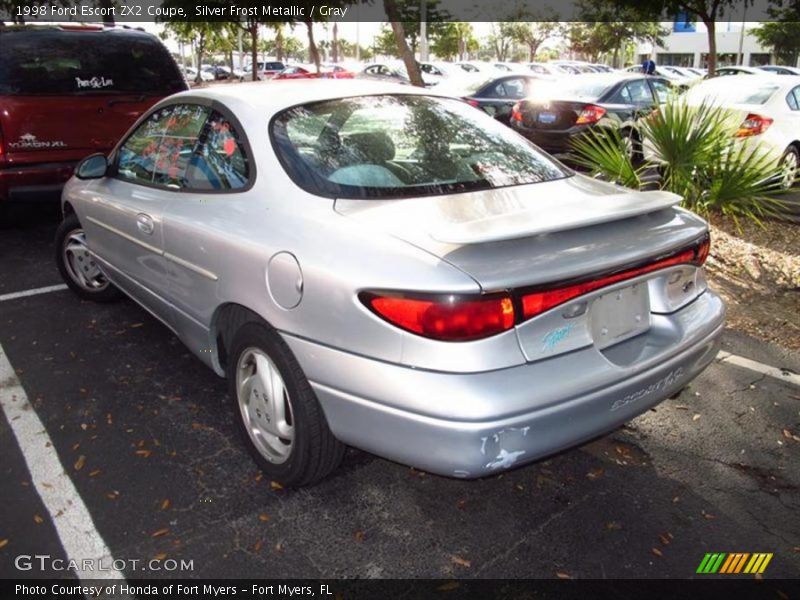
x: 394, y: 146
x: 54, y: 62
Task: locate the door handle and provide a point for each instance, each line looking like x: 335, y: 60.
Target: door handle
x: 145, y: 223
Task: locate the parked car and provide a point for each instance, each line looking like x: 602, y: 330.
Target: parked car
x: 66, y: 92
x: 681, y: 72
x: 548, y: 69
x: 395, y: 72
x: 768, y: 108
x: 780, y: 69
x: 737, y: 70
x: 496, y: 95
x: 218, y: 73
x: 561, y: 111
x: 266, y: 69
x: 379, y: 266
x: 677, y: 79
x: 190, y: 74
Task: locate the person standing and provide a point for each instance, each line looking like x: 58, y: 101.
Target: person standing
x: 649, y: 66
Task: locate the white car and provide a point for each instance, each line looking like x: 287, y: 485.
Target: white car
x: 769, y: 108
x: 191, y: 74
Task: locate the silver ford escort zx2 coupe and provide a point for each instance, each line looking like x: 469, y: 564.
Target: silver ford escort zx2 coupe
x: 379, y: 266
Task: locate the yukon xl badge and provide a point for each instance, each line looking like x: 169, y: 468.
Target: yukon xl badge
x: 28, y: 141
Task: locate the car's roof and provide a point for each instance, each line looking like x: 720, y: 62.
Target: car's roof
x: 303, y: 91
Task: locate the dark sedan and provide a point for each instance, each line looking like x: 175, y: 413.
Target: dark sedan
x: 494, y: 95
x: 561, y: 111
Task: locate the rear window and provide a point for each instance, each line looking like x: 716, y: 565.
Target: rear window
x: 55, y: 62
x: 731, y: 91
x: 403, y: 145
x: 589, y: 87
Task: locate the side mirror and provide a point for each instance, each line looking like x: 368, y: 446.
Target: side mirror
x: 94, y: 166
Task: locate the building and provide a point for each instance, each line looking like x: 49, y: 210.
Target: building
x: 687, y: 46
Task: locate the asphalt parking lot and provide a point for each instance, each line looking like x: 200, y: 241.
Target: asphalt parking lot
x: 146, y: 436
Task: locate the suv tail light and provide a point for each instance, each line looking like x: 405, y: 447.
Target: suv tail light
x: 540, y: 301
x: 450, y: 318
x: 516, y: 115
x: 590, y: 114
x: 461, y: 318
x: 2, y: 148
x: 753, y: 125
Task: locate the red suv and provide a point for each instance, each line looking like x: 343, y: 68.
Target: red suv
x: 67, y: 92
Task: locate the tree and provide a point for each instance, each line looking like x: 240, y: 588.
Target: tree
x: 593, y: 39
x: 501, y: 39
x: 707, y: 11
x: 532, y: 34
x: 405, y: 53
x: 454, y: 40
x: 782, y: 35
x: 197, y: 33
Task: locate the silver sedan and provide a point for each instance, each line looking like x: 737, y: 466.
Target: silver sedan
x: 381, y: 266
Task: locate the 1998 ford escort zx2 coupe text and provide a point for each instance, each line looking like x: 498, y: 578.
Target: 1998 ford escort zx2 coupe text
x: 378, y: 266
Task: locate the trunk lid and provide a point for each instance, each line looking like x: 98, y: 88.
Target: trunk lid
x: 541, y: 233
x: 551, y: 115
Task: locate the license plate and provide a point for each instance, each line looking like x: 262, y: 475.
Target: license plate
x: 547, y: 117
x: 621, y: 314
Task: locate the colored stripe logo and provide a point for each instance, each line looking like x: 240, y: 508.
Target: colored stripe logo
x: 734, y: 563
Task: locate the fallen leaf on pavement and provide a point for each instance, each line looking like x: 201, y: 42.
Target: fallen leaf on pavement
x: 38, y: 520
x: 708, y: 516
x: 613, y: 525
x: 3, y: 543
x: 136, y: 325
x: 461, y: 561
x: 449, y: 586
x: 263, y: 518
x: 695, y: 417
x: 160, y: 532
x: 563, y: 575
x: 359, y: 535
x: 595, y: 473
x: 257, y: 547
x: 681, y: 407
x: 275, y: 485
x: 461, y: 504
x: 656, y: 551
x: 143, y: 453
x: 80, y: 462
x: 160, y: 556
x: 165, y: 504
x: 665, y: 539
x: 95, y: 473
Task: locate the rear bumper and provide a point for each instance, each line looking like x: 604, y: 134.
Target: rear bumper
x: 41, y: 182
x: 475, y: 424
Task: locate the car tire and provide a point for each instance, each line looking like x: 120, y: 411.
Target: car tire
x: 77, y: 265
x: 289, y: 439
x: 790, y: 168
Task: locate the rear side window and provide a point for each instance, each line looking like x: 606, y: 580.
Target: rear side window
x: 221, y: 163
x: 54, y: 62
x: 139, y: 153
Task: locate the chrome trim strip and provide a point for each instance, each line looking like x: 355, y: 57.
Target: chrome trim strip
x: 191, y: 266
x: 171, y: 257
x: 128, y: 237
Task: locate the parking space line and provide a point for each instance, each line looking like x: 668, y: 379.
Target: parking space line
x: 752, y: 365
x: 71, y: 519
x: 34, y: 292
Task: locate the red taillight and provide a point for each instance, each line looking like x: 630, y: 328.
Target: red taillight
x: 590, y: 114
x: 538, y: 302
x: 472, y: 102
x: 516, y: 115
x: 446, y: 318
x: 753, y: 125
x: 2, y: 147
